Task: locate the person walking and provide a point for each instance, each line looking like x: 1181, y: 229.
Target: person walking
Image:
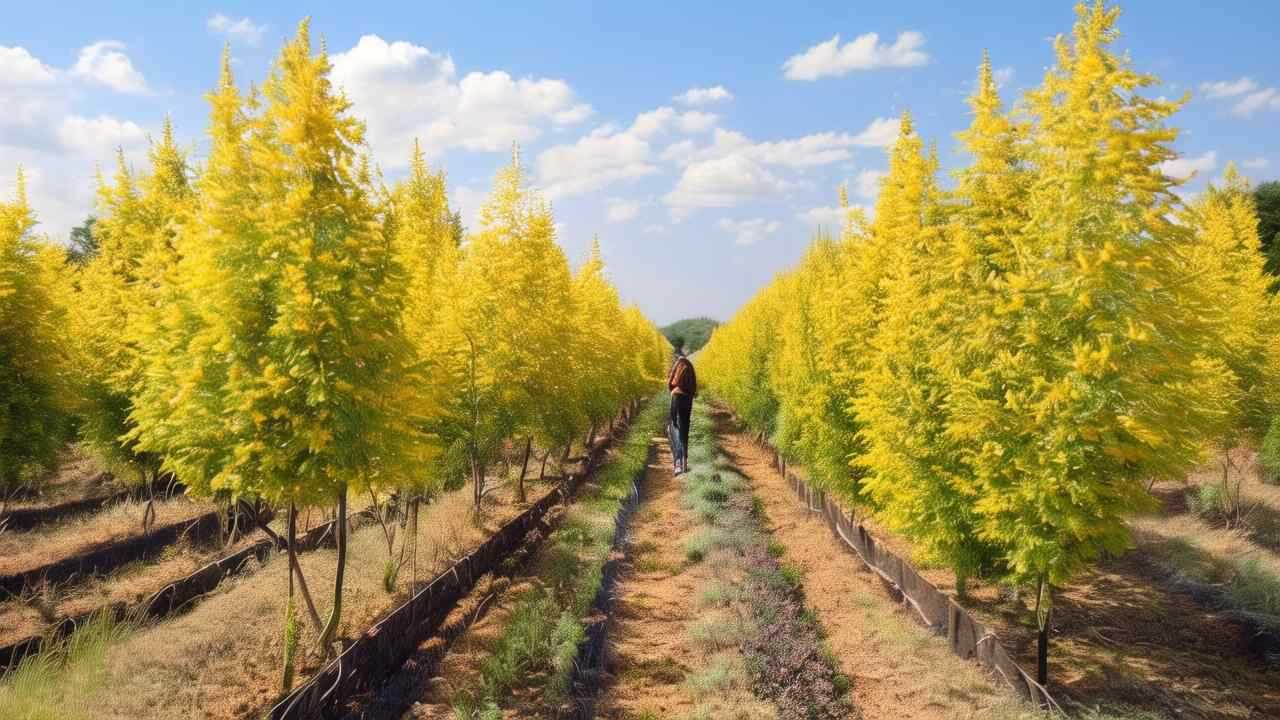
x: 682, y: 382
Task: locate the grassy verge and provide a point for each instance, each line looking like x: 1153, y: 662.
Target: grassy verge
x: 1240, y: 578
x: 761, y: 610
x: 540, y: 641
x: 61, y: 682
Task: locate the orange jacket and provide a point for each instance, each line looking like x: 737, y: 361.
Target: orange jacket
x: 682, y: 380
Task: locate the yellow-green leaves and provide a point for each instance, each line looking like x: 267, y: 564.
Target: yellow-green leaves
x: 291, y: 375
x: 1022, y: 355
x: 33, y: 361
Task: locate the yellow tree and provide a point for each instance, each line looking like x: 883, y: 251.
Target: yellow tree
x: 916, y: 475
x: 32, y: 360
x: 118, y: 291
x: 1226, y: 259
x: 814, y: 422
x: 299, y: 376
x: 420, y: 226
x: 500, y: 353
x: 1090, y: 379
x: 598, y: 321
x: 736, y: 363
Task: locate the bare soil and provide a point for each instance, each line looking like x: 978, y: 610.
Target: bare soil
x: 1122, y: 637
x: 222, y: 660
x: 486, y: 613
x: 652, y: 651
x: 898, y: 669
x: 35, y: 612
x: 22, y: 551
x: 78, y: 475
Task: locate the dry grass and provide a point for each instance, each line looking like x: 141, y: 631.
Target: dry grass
x: 33, y: 613
x: 1227, y: 545
x: 20, y: 551
x: 222, y: 660
x: 77, y: 476
x: 923, y: 665
x: 60, y: 682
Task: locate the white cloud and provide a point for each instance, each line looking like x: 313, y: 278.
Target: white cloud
x: 99, y: 133
x: 1185, y: 167
x: 680, y: 152
x: 659, y: 120
x: 573, y: 115
x: 807, y: 151
x: 722, y: 182
x: 704, y: 96
x: 882, y: 133
x: 58, y: 146
x: 620, y: 210
x: 865, y: 52
x: 467, y: 201
x: 826, y: 217
x: 244, y: 29
x: 594, y: 161
x: 20, y: 67
x: 1002, y: 76
x: 867, y: 183
x: 1251, y: 98
x: 733, y: 168
x: 1258, y: 163
x: 405, y: 91
x: 608, y: 155
x: 749, y: 232
x: 106, y: 63
x: 1266, y: 99
x: 696, y: 121
x: 832, y: 218
x: 1228, y: 88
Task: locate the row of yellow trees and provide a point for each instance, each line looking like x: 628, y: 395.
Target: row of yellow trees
x: 1000, y: 370
x: 278, y: 324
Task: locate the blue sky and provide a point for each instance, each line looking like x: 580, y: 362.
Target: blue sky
x: 698, y: 199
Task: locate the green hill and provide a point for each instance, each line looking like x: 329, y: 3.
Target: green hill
x: 693, y: 333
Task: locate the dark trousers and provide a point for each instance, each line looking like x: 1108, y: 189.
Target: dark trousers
x: 681, y: 408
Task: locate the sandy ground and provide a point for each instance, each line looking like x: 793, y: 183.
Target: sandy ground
x: 651, y: 650
x: 898, y: 669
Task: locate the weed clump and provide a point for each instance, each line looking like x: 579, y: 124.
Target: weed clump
x: 1269, y: 453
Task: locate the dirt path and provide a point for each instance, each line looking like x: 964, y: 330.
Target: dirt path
x: 899, y: 671
x: 652, y: 650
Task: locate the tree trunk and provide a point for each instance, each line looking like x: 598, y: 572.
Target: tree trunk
x: 591, y: 436
x: 413, y: 521
x: 1042, y: 656
x: 962, y: 584
x: 1044, y: 610
x: 477, y: 484
x: 543, y: 472
x: 335, y: 616
x: 296, y: 569
x: 524, y: 465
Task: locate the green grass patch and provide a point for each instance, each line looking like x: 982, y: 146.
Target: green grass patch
x: 716, y: 632
x: 721, y: 674
x: 60, y: 682
x: 545, y: 627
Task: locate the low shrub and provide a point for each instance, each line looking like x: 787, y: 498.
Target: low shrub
x: 716, y: 632
x: 1269, y: 454
x: 1207, y: 501
x: 1256, y: 588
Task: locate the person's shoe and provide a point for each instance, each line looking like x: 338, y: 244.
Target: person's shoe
x: 675, y: 469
